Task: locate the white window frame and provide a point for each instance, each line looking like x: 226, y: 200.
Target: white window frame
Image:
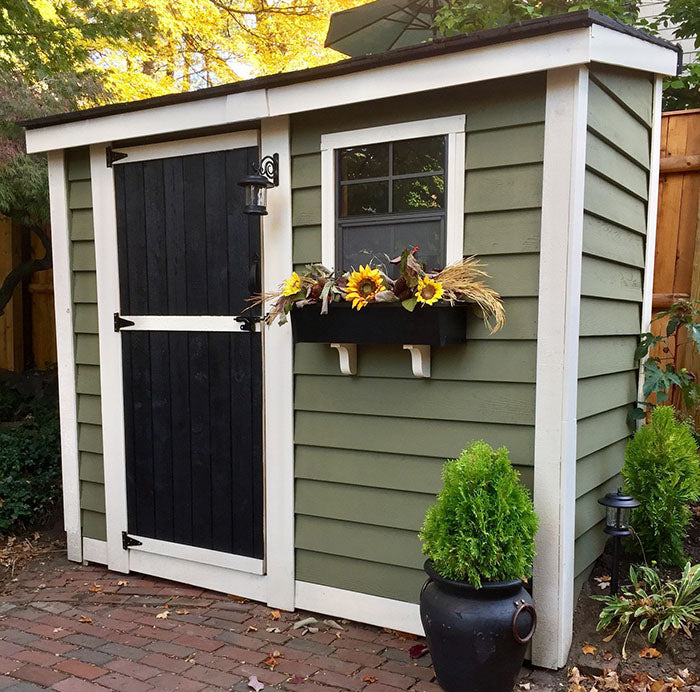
x: 453, y: 126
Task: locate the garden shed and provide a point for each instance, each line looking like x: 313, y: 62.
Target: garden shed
x: 212, y: 450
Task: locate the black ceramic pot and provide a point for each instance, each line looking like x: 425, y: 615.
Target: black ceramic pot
x: 477, y: 637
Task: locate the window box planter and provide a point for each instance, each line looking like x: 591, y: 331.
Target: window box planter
x: 383, y: 323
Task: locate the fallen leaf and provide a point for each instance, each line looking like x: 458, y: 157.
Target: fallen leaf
x: 295, y: 680
x: 275, y: 614
x: 333, y: 624
x: 57, y: 629
x: 235, y: 598
x: 182, y: 611
x: 255, y: 684
x: 369, y: 678
x: 676, y: 682
x: 525, y: 685
x: 84, y: 618
x: 96, y: 588
x: 163, y: 615
x: 588, y: 649
x: 607, y: 655
x: 122, y: 582
x: 275, y: 630
x: 36, y: 535
x: 657, y: 686
x: 277, y: 654
x: 574, y: 675
x: 418, y: 650
x: 302, y: 623
x: 270, y: 662
x: 650, y: 652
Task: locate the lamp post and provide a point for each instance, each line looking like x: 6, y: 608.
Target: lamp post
x: 617, y: 524
x: 265, y: 175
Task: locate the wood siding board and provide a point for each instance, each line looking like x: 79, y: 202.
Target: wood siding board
x: 87, y: 350
x: 508, y: 187
x: 596, y: 468
x: 617, y: 126
x: 84, y: 287
x: 513, y: 276
x: 602, y: 430
x: 502, y: 232
x: 616, y: 168
x: 633, y: 90
x: 603, y: 279
x: 306, y: 242
x: 601, y: 355
x: 491, y: 402
x: 89, y: 409
x: 92, y: 467
x: 609, y: 202
x: 85, y: 319
x: 92, y: 496
x: 598, y: 394
x: 78, y: 164
x: 83, y: 256
x: 609, y: 241
x: 80, y: 195
x: 421, y: 437
x: 306, y: 206
x: 589, y: 512
x: 611, y: 317
x: 88, y: 379
x: 90, y: 438
x: 361, y: 541
x: 81, y: 224
x: 473, y: 362
x: 589, y: 547
x: 505, y: 147
x: 521, y: 322
x: 94, y: 525
x: 306, y: 170
x: 374, y: 578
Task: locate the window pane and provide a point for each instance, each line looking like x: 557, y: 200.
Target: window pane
x: 419, y: 155
x: 364, y: 198
x: 419, y: 194
x: 364, y: 162
x: 380, y: 242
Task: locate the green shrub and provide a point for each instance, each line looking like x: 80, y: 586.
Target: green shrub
x: 30, y: 469
x: 662, y: 471
x: 654, y: 603
x: 483, y: 525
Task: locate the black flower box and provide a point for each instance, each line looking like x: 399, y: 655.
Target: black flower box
x: 381, y: 323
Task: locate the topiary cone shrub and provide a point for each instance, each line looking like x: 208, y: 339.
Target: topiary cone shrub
x: 662, y: 471
x: 483, y: 525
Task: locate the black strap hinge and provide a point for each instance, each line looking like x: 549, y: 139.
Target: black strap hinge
x: 120, y: 322
x: 248, y: 321
x: 128, y: 541
x: 113, y: 156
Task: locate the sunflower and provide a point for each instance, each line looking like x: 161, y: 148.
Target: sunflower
x: 363, y: 285
x: 428, y: 291
x: 292, y: 285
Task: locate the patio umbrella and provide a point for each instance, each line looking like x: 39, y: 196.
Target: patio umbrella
x: 382, y: 25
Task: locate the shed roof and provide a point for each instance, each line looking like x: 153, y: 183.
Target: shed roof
x: 441, y: 46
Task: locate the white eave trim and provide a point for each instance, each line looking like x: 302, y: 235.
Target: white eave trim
x: 536, y: 54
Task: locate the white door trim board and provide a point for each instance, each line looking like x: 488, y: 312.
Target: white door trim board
x: 453, y: 126
x: 111, y: 388
x: 652, y: 212
x: 65, y: 350
x: 95, y: 551
x: 186, y: 147
x: 278, y: 377
x: 524, y: 56
x: 184, y: 323
x: 361, y: 607
x: 557, y: 360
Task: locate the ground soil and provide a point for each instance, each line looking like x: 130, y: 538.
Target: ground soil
x: 678, y: 652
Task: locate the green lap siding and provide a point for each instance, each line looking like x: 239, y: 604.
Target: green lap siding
x: 370, y: 448
x: 87, y: 355
x: 615, y: 209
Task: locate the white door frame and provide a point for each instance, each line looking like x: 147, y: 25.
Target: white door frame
x: 271, y: 579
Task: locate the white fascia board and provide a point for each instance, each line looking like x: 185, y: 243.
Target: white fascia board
x: 513, y: 58
x: 613, y: 48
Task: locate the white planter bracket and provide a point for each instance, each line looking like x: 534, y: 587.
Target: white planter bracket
x: 420, y: 359
x: 347, y: 355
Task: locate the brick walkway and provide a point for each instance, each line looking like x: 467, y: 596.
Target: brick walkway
x: 74, y: 628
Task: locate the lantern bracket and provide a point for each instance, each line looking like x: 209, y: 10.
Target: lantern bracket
x: 269, y: 167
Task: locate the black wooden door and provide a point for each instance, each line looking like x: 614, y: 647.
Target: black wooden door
x: 192, y: 397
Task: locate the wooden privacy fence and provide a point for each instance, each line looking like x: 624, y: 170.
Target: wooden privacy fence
x: 27, y: 327
x: 677, y: 262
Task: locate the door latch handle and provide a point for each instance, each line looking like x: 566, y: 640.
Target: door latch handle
x: 248, y: 321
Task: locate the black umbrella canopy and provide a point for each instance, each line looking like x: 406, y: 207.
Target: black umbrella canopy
x: 382, y: 25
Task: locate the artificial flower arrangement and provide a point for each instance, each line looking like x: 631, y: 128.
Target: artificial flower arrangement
x: 415, y: 287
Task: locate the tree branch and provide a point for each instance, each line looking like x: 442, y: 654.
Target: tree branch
x: 18, y: 273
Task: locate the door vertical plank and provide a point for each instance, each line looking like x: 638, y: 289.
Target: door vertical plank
x: 122, y: 240
x: 175, y: 236
x: 136, y: 267
x: 195, y: 235
x: 218, y: 259
x: 154, y: 216
x: 256, y: 452
x: 131, y: 471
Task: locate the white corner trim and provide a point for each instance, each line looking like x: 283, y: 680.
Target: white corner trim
x: 452, y: 125
x: 111, y: 387
x: 65, y: 349
x: 95, y: 551
x: 278, y: 378
x: 557, y: 360
x: 186, y: 147
x: 652, y: 211
x: 372, y: 610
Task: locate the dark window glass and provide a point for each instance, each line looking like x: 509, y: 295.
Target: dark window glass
x: 424, y: 155
x: 419, y: 194
x: 365, y: 198
x: 364, y: 162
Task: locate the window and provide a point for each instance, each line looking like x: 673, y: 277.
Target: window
x: 387, y: 188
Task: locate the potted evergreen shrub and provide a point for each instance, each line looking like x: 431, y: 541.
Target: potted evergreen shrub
x: 479, y: 540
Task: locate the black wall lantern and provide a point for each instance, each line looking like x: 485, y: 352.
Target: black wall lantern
x: 265, y: 174
x: 617, y: 524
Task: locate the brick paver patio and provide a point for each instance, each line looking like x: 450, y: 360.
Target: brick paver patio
x: 82, y: 628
